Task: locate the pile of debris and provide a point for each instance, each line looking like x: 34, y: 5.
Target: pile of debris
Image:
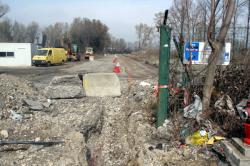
x: 93, y: 130
x: 31, y: 123
x: 234, y: 81
x: 19, y: 96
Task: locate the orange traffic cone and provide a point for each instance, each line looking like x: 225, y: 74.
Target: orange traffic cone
x: 117, y: 68
x: 114, y: 59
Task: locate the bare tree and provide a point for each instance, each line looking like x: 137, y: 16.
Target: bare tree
x: 239, y: 4
x: 216, y: 44
x: 248, y: 21
x: 18, y: 32
x: 32, y: 32
x: 86, y: 32
x: 3, y: 9
x: 55, y: 34
x: 5, y: 26
x: 118, y: 45
x: 145, y: 35
x: 5, y: 31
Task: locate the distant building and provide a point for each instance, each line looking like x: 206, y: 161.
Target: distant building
x: 16, y: 54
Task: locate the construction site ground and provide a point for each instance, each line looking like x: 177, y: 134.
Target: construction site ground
x: 98, y: 131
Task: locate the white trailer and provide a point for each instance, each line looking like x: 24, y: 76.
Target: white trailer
x: 16, y: 54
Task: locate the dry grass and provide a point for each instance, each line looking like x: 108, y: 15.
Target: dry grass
x: 148, y: 56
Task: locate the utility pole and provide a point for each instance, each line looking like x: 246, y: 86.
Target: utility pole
x: 248, y: 20
x: 165, y: 36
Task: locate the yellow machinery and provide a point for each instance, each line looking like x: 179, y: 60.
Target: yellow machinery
x: 88, y: 52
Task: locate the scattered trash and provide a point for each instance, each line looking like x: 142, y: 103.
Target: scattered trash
x: 197, y: 138
x: 243, y: 108
x: 4, y: 133
x: 214, y: 139
x: 193, y: 109
x: 166, y: 123
x: 218, y: 149
x: 186, y: 101
x: 49, y: 101
x: 15, y: 116
x: 143, y: 83
x: 185, y: 131
x: 225, y: 103
x: 201, y: 137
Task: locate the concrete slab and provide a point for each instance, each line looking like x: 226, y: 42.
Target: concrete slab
x: 234, y: 156
x: 65, y: 87
x: 241, y: 146
x: 101, y: 84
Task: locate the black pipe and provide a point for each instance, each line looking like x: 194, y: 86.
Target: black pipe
x: 45, y: 143
x: 165, y: 17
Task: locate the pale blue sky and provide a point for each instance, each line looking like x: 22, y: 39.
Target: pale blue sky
x: 120, y: 16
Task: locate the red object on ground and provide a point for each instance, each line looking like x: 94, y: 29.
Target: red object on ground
x: 247, y: 133
x: 117, y: 68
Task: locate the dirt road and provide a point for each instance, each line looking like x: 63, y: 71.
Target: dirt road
x: 41, y: 76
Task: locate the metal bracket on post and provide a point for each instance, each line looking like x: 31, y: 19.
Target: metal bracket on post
x: 165, y: 37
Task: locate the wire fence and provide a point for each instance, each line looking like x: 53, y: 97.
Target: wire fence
x: 236, y: 36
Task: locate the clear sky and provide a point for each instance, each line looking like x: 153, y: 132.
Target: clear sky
x: 120, y: 16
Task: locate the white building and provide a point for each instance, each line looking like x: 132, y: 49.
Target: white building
x: 15, y: 54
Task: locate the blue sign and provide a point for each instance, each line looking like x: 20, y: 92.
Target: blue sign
x: 193, y: 50
x: 199, y: 52
x: 226, y: 57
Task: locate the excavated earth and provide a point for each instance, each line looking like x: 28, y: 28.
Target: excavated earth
x: 107, y: 131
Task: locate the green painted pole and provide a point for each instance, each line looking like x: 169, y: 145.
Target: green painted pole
x: 165, y: 36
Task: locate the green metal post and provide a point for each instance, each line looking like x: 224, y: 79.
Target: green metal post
x: 165, y: 36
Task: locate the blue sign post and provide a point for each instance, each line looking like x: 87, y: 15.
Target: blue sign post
x: 192, y: 50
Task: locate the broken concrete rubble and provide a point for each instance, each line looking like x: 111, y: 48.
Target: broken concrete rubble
x: 33, y: 105
x: 65, y: 87
x: 235, y: 152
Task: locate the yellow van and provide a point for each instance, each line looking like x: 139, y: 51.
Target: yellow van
x: 49, y: 56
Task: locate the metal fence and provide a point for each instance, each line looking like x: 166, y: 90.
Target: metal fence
x: 237, y: 37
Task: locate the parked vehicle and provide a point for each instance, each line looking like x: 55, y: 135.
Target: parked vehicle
x: 49, y: 56
x: 88, y: 52
x: 73, y: 53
